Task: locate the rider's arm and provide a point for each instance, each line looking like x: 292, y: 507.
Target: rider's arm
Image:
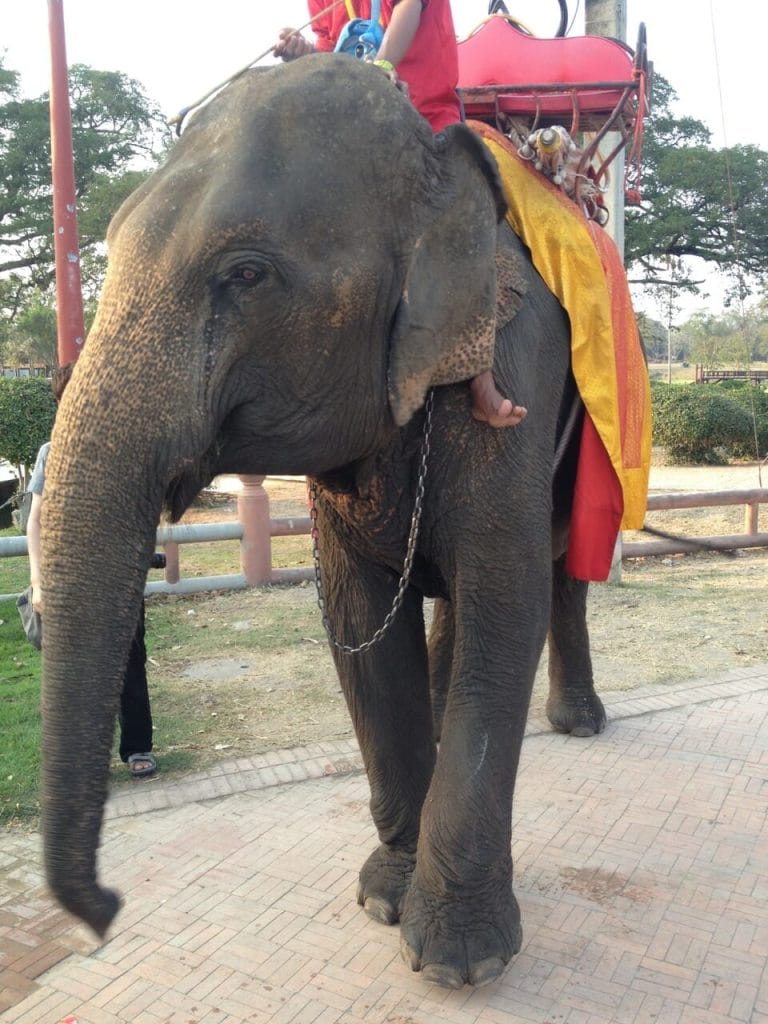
x: 406, y: 17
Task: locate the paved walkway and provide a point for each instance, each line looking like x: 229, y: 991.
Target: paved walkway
x: 641, y: 867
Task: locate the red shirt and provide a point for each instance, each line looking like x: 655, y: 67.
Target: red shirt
x: 431, y: 66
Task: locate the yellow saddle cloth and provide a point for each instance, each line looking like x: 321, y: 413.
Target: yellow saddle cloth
x: 581, y: 265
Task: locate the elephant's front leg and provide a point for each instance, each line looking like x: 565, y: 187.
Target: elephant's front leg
x: 387, y: 692
x: 460, y: 921
x: 573, y: 705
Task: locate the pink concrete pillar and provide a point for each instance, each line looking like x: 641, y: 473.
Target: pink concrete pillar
x: 256, y: 545
x: 751, y: 511
x: 171, y: 550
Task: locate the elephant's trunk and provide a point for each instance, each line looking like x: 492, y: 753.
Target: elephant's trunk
x: 102, y: 501
x: 91, y: 610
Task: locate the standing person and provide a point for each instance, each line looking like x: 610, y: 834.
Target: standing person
x: 135, y: 715
x: 419, y: 48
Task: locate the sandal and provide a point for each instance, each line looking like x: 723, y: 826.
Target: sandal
x: 141, y: 764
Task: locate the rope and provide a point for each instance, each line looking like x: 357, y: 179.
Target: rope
x: 691, y: 543
x: 178, y: 119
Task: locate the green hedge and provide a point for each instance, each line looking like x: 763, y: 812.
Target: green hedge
x: 753, y: 399
x: 27, y: 411
x: 709, y: 423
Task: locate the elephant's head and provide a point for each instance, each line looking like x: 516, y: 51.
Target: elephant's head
x: 280, y: 296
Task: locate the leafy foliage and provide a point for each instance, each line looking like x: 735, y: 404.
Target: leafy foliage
x: 27, y: 412
x: 699, y: 423
x: 753, y: 399
x: 698, y: 202
x: 117, y: 135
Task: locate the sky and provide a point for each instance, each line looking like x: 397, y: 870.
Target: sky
x: 712, y: 51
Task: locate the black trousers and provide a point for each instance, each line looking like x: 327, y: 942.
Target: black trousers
x: 135, y: 716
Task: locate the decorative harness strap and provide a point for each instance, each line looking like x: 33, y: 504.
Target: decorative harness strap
x: 375, y: 16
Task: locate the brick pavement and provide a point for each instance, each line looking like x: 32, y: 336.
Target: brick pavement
x: 641, y: 861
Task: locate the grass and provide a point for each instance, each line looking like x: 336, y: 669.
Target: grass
x: 14, y: 572
x: 680, y: 374
x: 236, y: 673
x: 19, y: 718
x: 196, y: 720
x: 193, y: 724
x: 190, y: 722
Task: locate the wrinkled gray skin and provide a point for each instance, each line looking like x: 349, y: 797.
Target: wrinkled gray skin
x: 279, y: 297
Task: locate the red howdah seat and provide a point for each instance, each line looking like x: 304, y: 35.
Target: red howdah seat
x: 552, y: 80
x: 519, y: 83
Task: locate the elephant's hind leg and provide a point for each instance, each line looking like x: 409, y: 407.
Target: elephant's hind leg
x: 441, y: 639
x: 573, y: 705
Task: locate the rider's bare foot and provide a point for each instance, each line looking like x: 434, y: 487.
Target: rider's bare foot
x: 489, y: 406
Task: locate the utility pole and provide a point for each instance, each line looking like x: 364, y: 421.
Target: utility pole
x: 609, y: 18
x: 69, y: 297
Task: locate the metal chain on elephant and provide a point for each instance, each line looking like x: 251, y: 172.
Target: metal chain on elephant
x: 410, y: 551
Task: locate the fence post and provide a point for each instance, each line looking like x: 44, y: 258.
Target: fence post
x: 256, y: 545
x: 172, y: 572
x: 615, y: 572
x: 750, y: 517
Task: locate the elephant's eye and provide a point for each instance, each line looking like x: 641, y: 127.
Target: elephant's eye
x: 247, y: 274
x: 240, y: 276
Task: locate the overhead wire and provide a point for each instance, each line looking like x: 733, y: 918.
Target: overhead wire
x: 734, y: 224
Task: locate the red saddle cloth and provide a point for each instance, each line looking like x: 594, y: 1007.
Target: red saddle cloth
x: 594, y: 69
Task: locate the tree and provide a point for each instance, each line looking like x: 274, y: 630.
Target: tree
x: 118, y: 135
x: 730, y: 339
x: 31, y: 339
x: 654, y: 337
x: 697, y: 203
x: 27, y: 412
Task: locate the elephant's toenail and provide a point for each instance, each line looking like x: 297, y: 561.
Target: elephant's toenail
x: 409, y: 955
x: 380, y: 910
x: 441, y: 974
x: 486, y: 971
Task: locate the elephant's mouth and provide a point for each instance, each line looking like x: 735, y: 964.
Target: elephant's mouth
x: 184, y: 488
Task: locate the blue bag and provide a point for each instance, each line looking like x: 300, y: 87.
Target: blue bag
x: 362, y: 37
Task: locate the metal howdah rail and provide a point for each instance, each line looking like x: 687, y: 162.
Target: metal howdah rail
x: 255, y: 529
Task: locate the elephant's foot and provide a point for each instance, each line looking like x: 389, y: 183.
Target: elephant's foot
x: 580, y: 713
x: 384, y: 880
x: 456, y: 942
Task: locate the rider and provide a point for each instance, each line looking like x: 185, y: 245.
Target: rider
x: 419, y: 48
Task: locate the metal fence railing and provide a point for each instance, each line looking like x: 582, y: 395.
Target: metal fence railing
x: 255, y: 528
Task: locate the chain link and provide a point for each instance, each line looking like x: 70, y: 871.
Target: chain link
x: 410, y: 550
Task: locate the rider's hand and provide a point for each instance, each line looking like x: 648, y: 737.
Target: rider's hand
x: 291, y: 44
x: 388, y: 69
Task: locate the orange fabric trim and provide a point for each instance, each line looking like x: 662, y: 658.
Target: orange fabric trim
x: 582, y: 267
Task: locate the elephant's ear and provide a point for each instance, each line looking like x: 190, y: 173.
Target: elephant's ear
x: 445, y: 326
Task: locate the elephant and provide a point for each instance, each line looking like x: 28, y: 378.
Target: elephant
x: 305, y: 287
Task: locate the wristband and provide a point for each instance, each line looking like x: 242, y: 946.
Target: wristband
x: 385, y: 65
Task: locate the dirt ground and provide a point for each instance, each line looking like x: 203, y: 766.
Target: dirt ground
x: 265, y: 674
